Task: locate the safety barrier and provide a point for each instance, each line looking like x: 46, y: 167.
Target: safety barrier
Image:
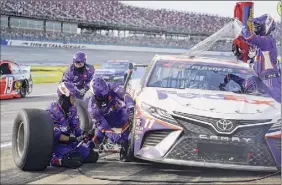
x: 40, y: 44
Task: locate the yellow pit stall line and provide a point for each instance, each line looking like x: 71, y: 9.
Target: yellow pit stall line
x: 49, y: 74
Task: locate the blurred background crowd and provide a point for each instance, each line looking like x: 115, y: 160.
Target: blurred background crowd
x: 115, y: 13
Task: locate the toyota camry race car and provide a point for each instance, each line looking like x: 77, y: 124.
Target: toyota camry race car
x: 185, y: 116
x: 15, y: 80
x: 113, y: 71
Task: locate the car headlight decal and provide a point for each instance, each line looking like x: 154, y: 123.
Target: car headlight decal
x: 157, y: 113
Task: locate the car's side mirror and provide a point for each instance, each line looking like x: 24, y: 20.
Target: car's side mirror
x: 130, y: 66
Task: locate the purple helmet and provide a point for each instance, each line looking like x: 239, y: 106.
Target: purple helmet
x: 80, y: 57
x: 263, y: 25
x: 67, y: 89
x: 100, y: 89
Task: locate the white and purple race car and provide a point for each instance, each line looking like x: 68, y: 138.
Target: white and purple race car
x: 184, y: 116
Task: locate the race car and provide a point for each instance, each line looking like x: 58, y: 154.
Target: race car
x: 184, y: 116
x: 15, y: 80
x: 113, y: 71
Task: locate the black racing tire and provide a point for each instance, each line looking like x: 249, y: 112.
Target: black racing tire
x: 24, y: 89
x: 84, y: 117
x: 32, y: 140
x: 130, y: 152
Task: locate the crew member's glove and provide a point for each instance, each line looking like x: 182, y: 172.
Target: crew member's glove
x: 236, y: 50
x: 130, y: 112
x: 82, y: 92
x: 221, y: 86
x: 73, y: 139
x: 90, y: 133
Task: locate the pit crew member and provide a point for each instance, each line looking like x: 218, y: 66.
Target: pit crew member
x: 250, y: 85
x: 111, y: 107
x: 67, y: 133
x: 79, y: 73
x: 265, y: 64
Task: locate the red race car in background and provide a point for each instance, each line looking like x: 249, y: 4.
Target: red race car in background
x: 15, y: 80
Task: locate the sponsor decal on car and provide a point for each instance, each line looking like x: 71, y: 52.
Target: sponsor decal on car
x: 215, y: 97
x: 225, y: 138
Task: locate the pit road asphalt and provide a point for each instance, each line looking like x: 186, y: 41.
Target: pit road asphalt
x: 108, y: 166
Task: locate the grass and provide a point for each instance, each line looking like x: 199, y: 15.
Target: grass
x: 48, y: 74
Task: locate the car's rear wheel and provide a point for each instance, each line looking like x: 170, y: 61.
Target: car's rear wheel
x: 84, y: 117
x: 32, y: 139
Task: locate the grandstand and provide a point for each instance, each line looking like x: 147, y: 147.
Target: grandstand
x: 107, y: 22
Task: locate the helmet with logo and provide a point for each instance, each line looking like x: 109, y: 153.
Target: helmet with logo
x: 100, y: 89
x: 263, y: 25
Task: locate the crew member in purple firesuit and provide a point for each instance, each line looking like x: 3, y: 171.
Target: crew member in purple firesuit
x: 111, y: 107
x: 67, y: 133
x: 247, y: 86
x: 79, y: 73
x: 265, y: 64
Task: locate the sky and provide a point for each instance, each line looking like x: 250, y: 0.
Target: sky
x: 222, y: 8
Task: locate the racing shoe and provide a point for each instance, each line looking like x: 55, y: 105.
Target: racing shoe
x: 123, y: 154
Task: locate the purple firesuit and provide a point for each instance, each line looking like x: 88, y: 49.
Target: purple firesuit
x: 113, y: 115
x: 66, y: 125
x: 80, y: 80
x: 265, y: 64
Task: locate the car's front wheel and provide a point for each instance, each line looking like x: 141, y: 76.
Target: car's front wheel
x: 24, y: 89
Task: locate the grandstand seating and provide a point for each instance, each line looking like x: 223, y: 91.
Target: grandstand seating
x: 114, y: 12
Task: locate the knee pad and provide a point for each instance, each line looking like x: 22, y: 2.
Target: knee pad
x: 72, y: 160
x: 92, y: 157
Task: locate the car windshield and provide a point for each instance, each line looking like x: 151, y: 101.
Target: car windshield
x: 206, y: 76
x: 115, y: 65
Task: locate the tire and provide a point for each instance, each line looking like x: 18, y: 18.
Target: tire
x: 24, y: 89
x: 84, y: 117
x: 130, y: 152
x: 35, y: 129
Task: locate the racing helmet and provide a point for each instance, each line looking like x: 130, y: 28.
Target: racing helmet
x: 67, y: 89
x: 79, y: 57
x: 100, y: 89
x: 263, y: 25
